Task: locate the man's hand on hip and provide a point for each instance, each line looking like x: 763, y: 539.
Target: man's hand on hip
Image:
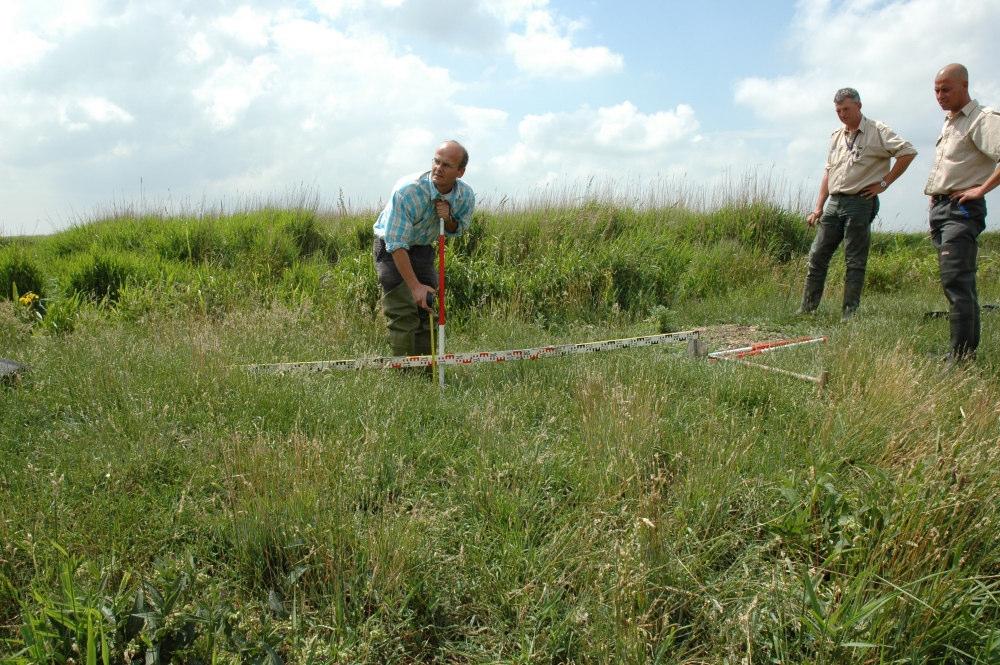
x: 873, y: 190
x: 970, y: 194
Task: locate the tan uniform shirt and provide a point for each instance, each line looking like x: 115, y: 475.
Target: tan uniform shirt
x: 967, y: 150
x: 852, y: 166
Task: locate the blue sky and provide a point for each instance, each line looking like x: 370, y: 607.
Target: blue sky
x: 229, y: 104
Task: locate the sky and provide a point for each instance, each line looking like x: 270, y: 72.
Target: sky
x: 170, y: 105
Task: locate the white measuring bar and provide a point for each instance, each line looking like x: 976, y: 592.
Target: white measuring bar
x: 473, y: 357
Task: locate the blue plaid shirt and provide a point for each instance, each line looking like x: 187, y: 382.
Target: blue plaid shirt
x: 409, y: 217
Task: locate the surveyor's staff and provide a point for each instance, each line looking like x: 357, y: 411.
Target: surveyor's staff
x: 440, y: 346
x: 765, y: 347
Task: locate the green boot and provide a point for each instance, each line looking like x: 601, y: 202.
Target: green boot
x: 402, y: 320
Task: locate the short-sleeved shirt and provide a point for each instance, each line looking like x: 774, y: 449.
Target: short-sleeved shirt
x: 853, y: 165
x: 409, y: 218
x: 968, y: 150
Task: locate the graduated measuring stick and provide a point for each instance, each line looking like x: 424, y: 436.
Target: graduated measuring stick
x: 472, y: 357
x: 440, y: 346
x: 766, y: 347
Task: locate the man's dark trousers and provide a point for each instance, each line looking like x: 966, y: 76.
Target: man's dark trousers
x: 848, y: 218
x: 955, y: 228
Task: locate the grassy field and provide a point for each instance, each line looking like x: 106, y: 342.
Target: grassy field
x: 158, y: 504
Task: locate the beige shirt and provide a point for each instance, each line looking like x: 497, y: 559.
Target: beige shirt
x: 967, y: 150
x: 853, y: 165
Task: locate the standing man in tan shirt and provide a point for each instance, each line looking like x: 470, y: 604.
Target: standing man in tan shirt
x: 857, y: 171
x: 965, y: 169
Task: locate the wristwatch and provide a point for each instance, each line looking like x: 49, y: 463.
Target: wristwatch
x: 883, y: 184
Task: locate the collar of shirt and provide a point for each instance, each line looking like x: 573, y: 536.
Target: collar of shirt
x: 862, y: 126
x: 428, y: 186
x: 965, y: 110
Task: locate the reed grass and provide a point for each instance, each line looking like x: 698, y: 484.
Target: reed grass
x: 158, y: 503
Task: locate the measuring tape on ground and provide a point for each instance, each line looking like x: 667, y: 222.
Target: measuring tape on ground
x: 471, y: 358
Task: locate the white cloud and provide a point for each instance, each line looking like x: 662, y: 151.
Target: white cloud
x: 592, y: 141
x: 545, y: 50
x: 540, y: 41
x: 80, y: 114
x: 19, y: 48
x: 101, y: 110
x: 516, y: 10
x: 335, y: 8
x: 409, y: 150
x: 246, y: 26
x: 232, y: 87
x: 478, y: 125
x: 198, y: 49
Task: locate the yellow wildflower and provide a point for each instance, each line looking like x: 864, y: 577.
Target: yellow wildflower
x: 28, y: 299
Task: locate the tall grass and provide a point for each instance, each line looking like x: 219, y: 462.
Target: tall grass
x: 156, y: 501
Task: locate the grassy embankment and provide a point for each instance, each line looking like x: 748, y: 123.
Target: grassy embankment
x: 636, y: 506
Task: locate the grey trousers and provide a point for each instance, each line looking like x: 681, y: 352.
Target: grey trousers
x: 847, y: 218
x: 409, y: 326
x: 955, y: 230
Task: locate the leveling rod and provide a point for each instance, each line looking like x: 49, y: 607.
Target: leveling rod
x: 473, y: 357
x: 765, y: 347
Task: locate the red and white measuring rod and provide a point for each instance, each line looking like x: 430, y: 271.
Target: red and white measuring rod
x: 766, y: 347
x: 441, y: 317
x: 472, y: 358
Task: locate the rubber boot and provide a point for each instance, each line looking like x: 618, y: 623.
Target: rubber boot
x: 402, y: 320
x: 811, y: 295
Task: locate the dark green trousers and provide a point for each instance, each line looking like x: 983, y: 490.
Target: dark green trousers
x: 955, y: 230
x: 409, y: 326
x: 847, y: 218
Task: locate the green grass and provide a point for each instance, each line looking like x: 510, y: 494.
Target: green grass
x: 635, y: 506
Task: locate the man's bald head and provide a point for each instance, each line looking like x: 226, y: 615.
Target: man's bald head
x: 951, y: 87
x: 955, y: 72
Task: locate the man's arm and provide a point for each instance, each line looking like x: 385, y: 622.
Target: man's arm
x: 978, y: 192
x: 899, y: 165
x: 824, y: 194
x: 985, y: 135
x: 401, y: 257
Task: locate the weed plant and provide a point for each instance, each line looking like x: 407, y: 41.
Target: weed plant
x: 159, y: 504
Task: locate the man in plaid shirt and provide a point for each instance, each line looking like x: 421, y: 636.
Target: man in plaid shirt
x: 404, y: 252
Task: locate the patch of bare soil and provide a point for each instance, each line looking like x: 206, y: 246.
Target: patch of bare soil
x: 733, y: 335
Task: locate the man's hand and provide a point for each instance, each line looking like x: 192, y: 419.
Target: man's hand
x: 814, y: 216
x: 968, y: 194
x: 872, y: 190
x: 420, y: 295
x: 443, y: 210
